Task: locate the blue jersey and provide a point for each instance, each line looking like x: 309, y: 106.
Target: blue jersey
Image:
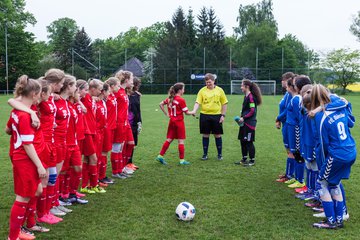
x: 307, y: 132
x: 336, y: 140
x: 283, y: 106
x: 293, y: 111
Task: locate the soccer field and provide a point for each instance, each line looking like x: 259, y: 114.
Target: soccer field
x: 232, y: 202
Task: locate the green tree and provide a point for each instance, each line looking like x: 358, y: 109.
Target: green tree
x: 82, y: 45
x: 355, y: 26
x: 345, y: 66
x: 23, y: 55
x: 61, y: 38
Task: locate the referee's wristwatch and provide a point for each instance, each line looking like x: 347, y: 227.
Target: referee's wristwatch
x: 223, y: 115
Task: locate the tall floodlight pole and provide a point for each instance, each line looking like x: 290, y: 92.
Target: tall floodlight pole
x: 6, y: 52
x: 99, y: 62
x: 308, y: 63
x: 230, y: 64
x: 204, y: 57
x: 282, y: 60
x: 257, y: 59
x: 72, y: 61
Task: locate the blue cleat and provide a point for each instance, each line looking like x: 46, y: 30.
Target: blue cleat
x: 184, y: 162
x: 161, y: 159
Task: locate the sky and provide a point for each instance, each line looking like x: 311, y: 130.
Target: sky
x: 322, y: 25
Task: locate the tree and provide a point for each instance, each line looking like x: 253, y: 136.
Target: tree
x: 61, y: 38
x: 355, y: 26
x: 82, y: 45
x: 23, y: 55
x: 345, y: 66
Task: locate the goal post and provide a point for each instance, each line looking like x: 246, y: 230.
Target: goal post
x: 267, y: 87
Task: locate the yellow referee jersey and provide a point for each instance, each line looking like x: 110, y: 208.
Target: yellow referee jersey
x: 211, y: 100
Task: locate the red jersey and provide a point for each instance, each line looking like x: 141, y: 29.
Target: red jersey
x: 111, y: 106
x: 47, y: 111
x: 71, y: 131
x: 80, y: 125
x: 23, y: 133
x: 176, y: 108
x: 61, y: 119
x: 101, y: 115
x: 122, y: 107
x: 89, y: 117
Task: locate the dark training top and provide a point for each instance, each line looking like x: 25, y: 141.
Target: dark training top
x: 134, y: 108
x: 249, y: 110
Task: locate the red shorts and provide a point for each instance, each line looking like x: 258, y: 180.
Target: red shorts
x: 100, y: 141
x: 81, y: 145
x: 60, y: 151
x: 44, y: 157
x: 89, y: 145
x: 108, y: 139
x: 51, y: 154
x: 26, y: 178
x: 176, y: 130
x: 73, y: 157
x: 123, y: 134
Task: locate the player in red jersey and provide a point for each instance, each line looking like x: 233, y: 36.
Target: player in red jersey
x: 90, y: 143
x: 123, y: 139
x: 52, y: 81
x: 111, y: 105
x: 27, y: 167
x: 176, y: 128
x: 101, y: 127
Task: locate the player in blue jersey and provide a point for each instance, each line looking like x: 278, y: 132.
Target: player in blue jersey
x: 248, y: 121
x: 294, y: 121
x: 280, y: 122
x: 338, y: 149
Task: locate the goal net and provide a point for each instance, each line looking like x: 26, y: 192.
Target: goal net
x: 267, y: 87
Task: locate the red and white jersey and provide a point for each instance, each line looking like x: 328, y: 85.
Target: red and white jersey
x: 61, y: 119
x: 101, y: 115
x: 71, y: 139
x: 111, y: 105
x: 80, y: 125
x: 122, y: 107
x: 22, y: 132
x: 89, y: 117
x: 47, y: 111
x: 176, y: 108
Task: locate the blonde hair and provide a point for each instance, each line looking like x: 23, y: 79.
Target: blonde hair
x: 112, y: 81
x: 25, y: 86
x: 95, y: 83
x: 69, y: 80
x: 45, y: 87
x: 123, y: 75
x: 319, y: 96
x: 54, y: 75
x: 81, y: 84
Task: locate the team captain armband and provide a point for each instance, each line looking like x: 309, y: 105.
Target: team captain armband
x: 252, y: 105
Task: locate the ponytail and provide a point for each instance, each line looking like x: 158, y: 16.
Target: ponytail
x: 25, y: 86
x: 174, y: 90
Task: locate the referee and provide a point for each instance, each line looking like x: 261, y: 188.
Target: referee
x: 213, y: 109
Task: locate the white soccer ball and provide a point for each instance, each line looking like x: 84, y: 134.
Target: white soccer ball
x: 185, y: 211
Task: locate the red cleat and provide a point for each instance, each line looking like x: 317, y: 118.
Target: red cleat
x: 302, y: 189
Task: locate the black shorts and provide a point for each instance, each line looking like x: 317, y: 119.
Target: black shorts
x: 209, y: 124
x: 246, y: 134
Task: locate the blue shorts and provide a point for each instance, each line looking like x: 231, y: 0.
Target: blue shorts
x: 334, y: 170
x: 294, y: 138
x: 284, y: 131
x: 309, y: 153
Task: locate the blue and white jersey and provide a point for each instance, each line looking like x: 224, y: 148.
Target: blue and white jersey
x: 293, y: 111
x: 334, y: 134
x: 283, y: 106
x: 307, y: 132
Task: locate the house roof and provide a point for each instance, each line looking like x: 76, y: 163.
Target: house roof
x: 133, y: 65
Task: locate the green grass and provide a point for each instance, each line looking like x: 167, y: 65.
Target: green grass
x: 232, y: 202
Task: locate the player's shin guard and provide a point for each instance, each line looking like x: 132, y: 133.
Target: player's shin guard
x: 329, y: 211
x: 62, y: 178
x: 181, y: 148
x: 205, y: 142
x: 218, y: 142
x: 128, y: 152
x: 85, y: 175
x: 102, y: 168
x: 66, y: 189
x: 93, y: 175
x: 74, y: 180
x: 17, y: 215
x: 164, y: 148
x: 41, y: 204
x: 299, y: 171
x: 30, y: 212
x: 114, y: 157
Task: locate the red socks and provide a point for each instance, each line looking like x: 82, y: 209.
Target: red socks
x: 30, y: 212
x: 93, y: 175
x: 85, y: 175
x: 75, y: 179
x: 17, y: 216
x: 114, y: 162
x: 181, y: 148
x: 164, y: 148
x: 50, y: 198
x: 102, y: 167
x: 41, y: 204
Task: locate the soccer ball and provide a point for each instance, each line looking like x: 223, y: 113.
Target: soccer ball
x: 185, y: 211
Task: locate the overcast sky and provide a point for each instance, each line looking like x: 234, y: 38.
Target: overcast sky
x: 321, y: 24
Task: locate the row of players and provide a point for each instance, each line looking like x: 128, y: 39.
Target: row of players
x: 57, y: 119
x: 316, y: 134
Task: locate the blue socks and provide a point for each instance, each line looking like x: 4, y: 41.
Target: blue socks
x: 299, y: 171
x: 218, y: 142
x: 329, y: 211
x: 290, y: 167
